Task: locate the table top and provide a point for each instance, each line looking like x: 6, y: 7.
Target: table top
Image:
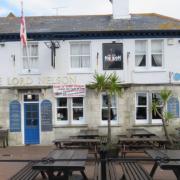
x: 132, y: 139
x: 140, y: 132
x: 72, y: 154
x: 77, y: 140
x: 167, y: 154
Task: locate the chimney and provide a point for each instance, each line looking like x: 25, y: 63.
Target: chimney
x: 120, y: 9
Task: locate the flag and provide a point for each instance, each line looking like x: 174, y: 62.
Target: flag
x: 23, y: 35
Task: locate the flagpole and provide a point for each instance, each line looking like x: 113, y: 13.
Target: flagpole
x: 23, y: 35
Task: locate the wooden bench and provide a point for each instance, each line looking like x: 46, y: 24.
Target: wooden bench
x: 134, y: 171
x: 97, y: 171
x: 27, y: 173
x: 110, y: 171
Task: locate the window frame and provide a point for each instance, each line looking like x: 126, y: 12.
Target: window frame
x: 149, y: 119
x: 70, y: 120
x: 81, y: 69
x: 149, y: 55
x: 32, y: 70
x: 105, y: 122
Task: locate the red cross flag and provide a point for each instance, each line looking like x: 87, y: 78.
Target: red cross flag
x: 23, y: 35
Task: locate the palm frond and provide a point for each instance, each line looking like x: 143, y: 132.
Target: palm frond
x: 165, y: 95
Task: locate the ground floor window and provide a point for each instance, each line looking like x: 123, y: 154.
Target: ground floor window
x: 144, y: 113
x: 70, y: 110
x: 104, y: 108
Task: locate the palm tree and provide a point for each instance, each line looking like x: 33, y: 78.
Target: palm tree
x: 110, y: 85
x: 162, y: 113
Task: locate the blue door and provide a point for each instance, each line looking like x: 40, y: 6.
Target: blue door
x: 31, y: 123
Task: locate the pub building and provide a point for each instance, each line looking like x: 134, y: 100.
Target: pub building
x: 44, y: 96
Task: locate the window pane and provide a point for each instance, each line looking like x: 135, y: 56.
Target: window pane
x: 77, y: 113
x: 62, y: 114
x: 75, y: 61
x: 78, y: 101
x: 105, y: 114
x: 141, y: 99
x: 140, y: 60
x: 155, y: 116
x: 85, y: 49
x: 105, y: 101
x: 156, y: 60
x: 157, y: 46
x: 34, y: 50
x: 141, y: 113
x: 85, y: 61
x: 157, y: 98
x: 75, y: 49
x: 140, y: 47
x: 62, y: 102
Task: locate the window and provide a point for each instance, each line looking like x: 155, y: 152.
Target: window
x: 105, y: 108
x: 149, y: 54
x: 80, y: 55
x: 30, y: 58
x: 141, y: 106
x: 156, y: 53
x: 140, y: 53
x: 144, y: 115
x: 70, y: 110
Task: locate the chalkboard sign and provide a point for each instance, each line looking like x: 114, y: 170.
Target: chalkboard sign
x: 46, y: 115
x: 173, y: 107
x: 15, y: 116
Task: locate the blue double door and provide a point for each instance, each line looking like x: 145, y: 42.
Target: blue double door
x: 31, y: 123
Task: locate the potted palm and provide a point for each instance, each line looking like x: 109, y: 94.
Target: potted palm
x: 110, y: 85
x: 162, y: 112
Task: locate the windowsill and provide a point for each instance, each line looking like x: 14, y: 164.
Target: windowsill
x: 70, y: 125
x: 147, y: 125
x: 112, y: 125
x: 80, y: 71
x: 30, y: 73
x: 149, y: 70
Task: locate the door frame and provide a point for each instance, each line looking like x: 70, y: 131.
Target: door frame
x: 23, y: 116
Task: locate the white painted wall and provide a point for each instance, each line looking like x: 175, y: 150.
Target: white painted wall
x: 48, y: 76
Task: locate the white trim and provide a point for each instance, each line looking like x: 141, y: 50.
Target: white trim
x: 80, y: 70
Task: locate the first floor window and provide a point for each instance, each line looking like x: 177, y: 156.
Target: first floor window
x: 70, y: 110
x: 80, y: 55
x: 144, y: 101
x: 30, y: 58
x: 113, y: 111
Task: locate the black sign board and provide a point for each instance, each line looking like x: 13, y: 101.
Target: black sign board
x: 112, y: 56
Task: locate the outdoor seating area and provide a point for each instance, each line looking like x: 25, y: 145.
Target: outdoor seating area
x: 71, y: 158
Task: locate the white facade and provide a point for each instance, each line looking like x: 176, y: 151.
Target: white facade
x: 12, y: 74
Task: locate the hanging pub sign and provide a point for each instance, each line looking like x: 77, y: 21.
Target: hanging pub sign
x: 69, y: 90
x: 112, y: 56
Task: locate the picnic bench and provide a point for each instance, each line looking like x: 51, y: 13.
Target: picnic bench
x: 26, y: 173
x: 134, y: 171
x: 128, y: 145
x: 4, y: 137
x: 110, y: 171
x: 90, y: 144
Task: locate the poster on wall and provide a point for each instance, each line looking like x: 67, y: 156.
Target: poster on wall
x: 112, y: 56
x: 74, y: 90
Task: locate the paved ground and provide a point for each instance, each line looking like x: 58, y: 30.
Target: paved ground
x: 38, y: 152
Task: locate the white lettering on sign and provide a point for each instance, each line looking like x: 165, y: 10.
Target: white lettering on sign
x: 112, y: 57
x: 39, y: 80
x: 69, y: 90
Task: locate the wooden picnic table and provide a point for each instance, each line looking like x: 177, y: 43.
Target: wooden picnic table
x: 88, y: 134
x: 140, y: 132
x: 130, y: 144
x: 166, y: 159
x: 64, y: 162
x: 90, y: 144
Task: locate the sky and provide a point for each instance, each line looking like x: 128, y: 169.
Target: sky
x: 81, y: 7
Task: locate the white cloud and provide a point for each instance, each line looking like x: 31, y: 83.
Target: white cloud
x: 71, y: 7
x: 4, y: 11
